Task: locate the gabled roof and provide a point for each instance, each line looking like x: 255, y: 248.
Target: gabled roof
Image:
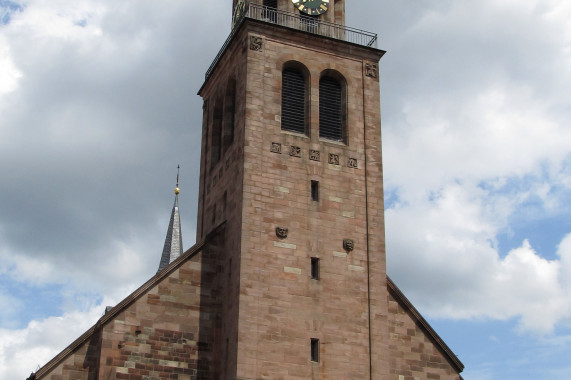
x: 130, y: 299
x: 424, y: 325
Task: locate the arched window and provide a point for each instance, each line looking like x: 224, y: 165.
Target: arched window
x: 332, y: 107
x: 294, y: 100
x: 229, y: 114
x: 216, y: 150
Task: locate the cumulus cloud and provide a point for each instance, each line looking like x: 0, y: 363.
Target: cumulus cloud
x: 23, y: 351
x: 459, y: 271
x: 98, y: 107
x: 476, y: 137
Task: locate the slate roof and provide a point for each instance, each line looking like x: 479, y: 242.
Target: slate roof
x: 173, y: 241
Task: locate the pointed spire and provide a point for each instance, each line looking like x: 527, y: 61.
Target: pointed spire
x: 173, y: 240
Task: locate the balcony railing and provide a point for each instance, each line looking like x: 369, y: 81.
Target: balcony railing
x: 298, y: 22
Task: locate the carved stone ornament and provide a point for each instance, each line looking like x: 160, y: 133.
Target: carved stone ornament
x: 371, y: 70
x: 352, y: 163
x: 256, y: 43
x: 314, y: 155
x: 281, y: 232
x: 333, y: 159
x: 295, y: 151
x: 348, y: 245
x: 276, y: 148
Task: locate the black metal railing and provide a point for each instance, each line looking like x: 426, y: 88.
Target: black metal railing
x: 298, y: 22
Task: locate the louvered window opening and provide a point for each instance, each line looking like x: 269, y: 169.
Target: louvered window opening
x: 330, y: 115
x: 293, y: 101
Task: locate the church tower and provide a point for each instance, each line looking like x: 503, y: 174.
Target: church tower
x: 291, y: 164
x: 288, y: 278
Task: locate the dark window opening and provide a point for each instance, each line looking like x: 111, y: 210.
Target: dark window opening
x: 271, y: 3
x: 330, y: 109
x: 315, y: 268
x: 315, y: 191
x: 314, y: 350
x: 293, y: 101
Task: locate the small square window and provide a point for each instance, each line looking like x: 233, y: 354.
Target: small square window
x: 315, y: 268
x: 314, y: 350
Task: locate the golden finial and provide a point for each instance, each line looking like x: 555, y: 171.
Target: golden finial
x: 176, y: 189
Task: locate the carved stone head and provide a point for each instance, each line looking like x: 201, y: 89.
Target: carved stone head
x: 348, y: 245
x: 281, y: 232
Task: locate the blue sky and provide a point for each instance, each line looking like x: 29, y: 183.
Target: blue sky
x: 8, y: 7
x: 98, y: 108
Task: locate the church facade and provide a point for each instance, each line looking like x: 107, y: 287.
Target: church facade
x: 288, y: 280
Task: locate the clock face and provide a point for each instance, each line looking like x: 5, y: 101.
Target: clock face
x: 312, y: 7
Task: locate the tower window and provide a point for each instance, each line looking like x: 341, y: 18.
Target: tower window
x: 293, y: 100
x: 315, y: 191
x: 331, y: 109
x: 315, y: 268
x: 314, y: 350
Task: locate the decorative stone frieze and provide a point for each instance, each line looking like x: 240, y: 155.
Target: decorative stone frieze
x: 295, y: 151
x: 276, y: 148
x: 333, y: 159
x: 314, y: 155
x: 256, y: 43
x: 371, y: 70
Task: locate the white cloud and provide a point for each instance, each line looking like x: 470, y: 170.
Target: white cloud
x: 9, y: 75
x: 22, y: 351
x: 564, y: 252
x: 459, y: 271
x: 476, y: 128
